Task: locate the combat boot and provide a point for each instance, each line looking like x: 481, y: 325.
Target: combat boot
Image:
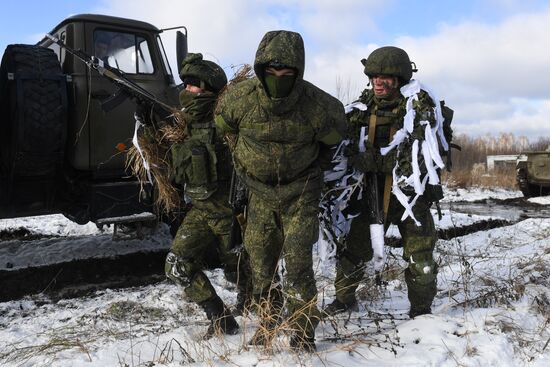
x: 302, y: 343
x: 221, y: 319
x: 421, y: 290
x: 337, y: 306
x: 417, y: 311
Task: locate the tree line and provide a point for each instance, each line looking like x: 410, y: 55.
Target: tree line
x: 476, y: 149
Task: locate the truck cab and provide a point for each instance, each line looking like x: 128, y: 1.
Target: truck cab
x: 82, y: 170
x: 533, y: 173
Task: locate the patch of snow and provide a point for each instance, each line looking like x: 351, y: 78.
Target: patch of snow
x: 52, y: 225
x: 542, y: 200
x: 63, y: 240
x: 478, y: 193
x: 491, y: 309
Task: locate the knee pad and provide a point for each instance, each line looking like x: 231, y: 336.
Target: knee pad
x: 175, y: 270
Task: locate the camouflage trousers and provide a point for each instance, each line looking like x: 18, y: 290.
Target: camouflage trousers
x: 202, y: 241
x: 289, y: 234
x: 418, y: 246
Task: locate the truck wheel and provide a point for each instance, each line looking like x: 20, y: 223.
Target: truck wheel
x: 536, y: 190
x: 523, y: 184
x: 33, y: 98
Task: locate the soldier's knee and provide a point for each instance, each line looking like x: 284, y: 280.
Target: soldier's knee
x: 175, y: 270
x: 422, y: 268
x: 418, y: 245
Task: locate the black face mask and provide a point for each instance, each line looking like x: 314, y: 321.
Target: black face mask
x: 279, y: 86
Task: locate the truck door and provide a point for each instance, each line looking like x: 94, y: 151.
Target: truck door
x: 111, y: 121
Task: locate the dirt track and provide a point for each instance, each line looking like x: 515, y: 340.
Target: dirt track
x: 78, y: 277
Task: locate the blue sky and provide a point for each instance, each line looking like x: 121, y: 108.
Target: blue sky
x: 488, y: 59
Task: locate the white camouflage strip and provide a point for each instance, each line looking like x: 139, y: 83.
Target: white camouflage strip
x: 429, y: 148
x: 135, y: 141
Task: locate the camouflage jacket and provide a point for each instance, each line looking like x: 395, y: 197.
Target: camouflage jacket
x: 280, y: 139
x: 389, y: 118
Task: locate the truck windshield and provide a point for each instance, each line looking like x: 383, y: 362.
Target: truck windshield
x: 125, y: 51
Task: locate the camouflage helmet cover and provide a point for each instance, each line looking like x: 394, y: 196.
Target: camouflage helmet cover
x: 389, y: 60
x: 207, y: 71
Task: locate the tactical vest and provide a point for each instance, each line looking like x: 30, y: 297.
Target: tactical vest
x: 387, y: 120
x: 383, y: 121
x: 201, y: 162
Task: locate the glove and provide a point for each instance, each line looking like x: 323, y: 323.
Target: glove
x: 386, y: 162
x: 364, y: 161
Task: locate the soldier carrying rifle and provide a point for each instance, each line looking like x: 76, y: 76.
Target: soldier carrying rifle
x: 400, y: 125
x: 202, y: 162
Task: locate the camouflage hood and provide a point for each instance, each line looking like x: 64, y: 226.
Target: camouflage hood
x: 283, y: 46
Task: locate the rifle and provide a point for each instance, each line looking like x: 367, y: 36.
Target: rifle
x: 126, y: 87
x: 238, y: 198
x: 376, y: 227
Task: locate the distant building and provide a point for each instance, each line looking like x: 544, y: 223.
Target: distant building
x: 502, y: 161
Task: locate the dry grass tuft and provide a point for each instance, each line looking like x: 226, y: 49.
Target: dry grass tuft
x: 503, y: 178
x: 167, y: 198
x: 244, y: 72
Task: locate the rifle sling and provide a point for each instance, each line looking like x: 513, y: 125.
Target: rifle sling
x: 388, y: 179
x: 388, y: 184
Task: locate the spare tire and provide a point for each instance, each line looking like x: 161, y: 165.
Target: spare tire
x: 33, y: 125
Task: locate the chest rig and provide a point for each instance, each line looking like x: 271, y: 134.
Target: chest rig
x: 381, y: 123
x: 201, y: 161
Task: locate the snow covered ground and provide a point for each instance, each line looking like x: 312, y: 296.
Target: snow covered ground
x: 492, y: 309
x: 479, y: 193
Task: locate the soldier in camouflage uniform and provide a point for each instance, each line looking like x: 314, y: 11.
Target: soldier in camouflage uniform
x: 284, y: 125
x: 203, y: 164
x: 388, y: 69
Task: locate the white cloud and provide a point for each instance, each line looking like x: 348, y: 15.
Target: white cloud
x: 489, y: 72
x: 506, y: 58
x: 225, y: 31
x: 530, y: 122
x: 485, y: 72
x: 229, y: 31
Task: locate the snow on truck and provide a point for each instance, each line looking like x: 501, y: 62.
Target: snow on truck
x: 65, y: 127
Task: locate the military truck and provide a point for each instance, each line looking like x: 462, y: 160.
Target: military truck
x: 65, y: 129
x: 533, y: 173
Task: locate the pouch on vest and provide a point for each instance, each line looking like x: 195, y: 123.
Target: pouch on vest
x: 201, y: 173
x: 433, y: 193
x: 199, y: 162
